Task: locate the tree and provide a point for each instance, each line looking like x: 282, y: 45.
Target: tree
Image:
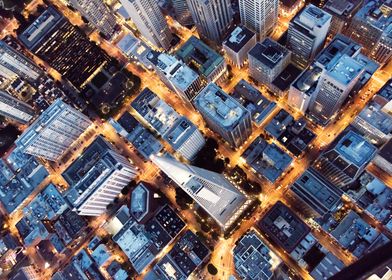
x: 212, y: 269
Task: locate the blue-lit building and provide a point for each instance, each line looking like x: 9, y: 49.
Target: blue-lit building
x: 266, y: 160
x: 134, y: 132
x: 224, y: 115
x: 344, y: 161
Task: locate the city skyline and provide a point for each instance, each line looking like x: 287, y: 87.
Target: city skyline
x: 195, y: 139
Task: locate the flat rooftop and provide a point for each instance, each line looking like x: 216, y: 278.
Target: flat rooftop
x: 346, y: 69
x: 342, y: 8
x: 312, y: 17
x: 238, y: 38
x: 377, y: 118
x: 307, y: 81
x: 376, y: 13
x: 252, y: 258
x: 82, y: 165
x: 180, y: 132
x: 355, y: 148
x: 283, y: 226
x: 269, y: 52
x: 253, y: 100
x: 317, y: 192
x: 176, y: 71
x: 41, y: 26
x: 156, y: 112
x: 286, y: 77
x: 199, y: 56
x: 219, y: 106
x: 265, y: 159
x: 139, y: 202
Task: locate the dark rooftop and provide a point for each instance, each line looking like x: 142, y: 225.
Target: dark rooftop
x: 269, y: 52
x: 286, y: 77
x: 238, y: 38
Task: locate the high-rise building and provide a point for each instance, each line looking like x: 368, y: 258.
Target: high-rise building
x: 13, y: 64
x: 336, y: 82
x: 374, y: 123
x: 371, y: 27
x: 15, y: 109
x: 26, y: 273
x: 53, y: 132
x: 304, y: 88
x: 342, y: 12
x: 343, y: 162
x: 98, y: 14
x: 205, y: 61
x: 212, y: 18
x: 210, y: 190
x: 96, y: 178
x: 267, y: 60
x: 177, y: 75
x: 238, y: 44
x: 307, y: 33
x: 259, y: 16
x: 224, y: 115
x: 150, y: 21
x: 182, y: 12
x: 382, y: 52
x: 178, y: 131
x: 63, y: 46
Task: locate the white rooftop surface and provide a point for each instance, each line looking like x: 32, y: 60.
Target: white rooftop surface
x: 127, y: 44
x: 346, y: 69
x: 312, y: 16
x: 220, y: 106
x: 176, y: 71
x: 209, y: 189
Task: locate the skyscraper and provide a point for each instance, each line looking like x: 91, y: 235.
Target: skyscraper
x: 13, y: 108
x: 371, y: 26
x: 259, y: 16
x: 267, y: 60
x: 210, y: 190
x: 63, y: 46
x: 307, y: 33
x: 182, y: 12
x: 336, y: 82
x: 212, y: 18
x: 150, y: 21
x: 52, y: 133
x: 96, y: 178
x: 14, y: 64
x: 98, y: 14
x: 224, y: 115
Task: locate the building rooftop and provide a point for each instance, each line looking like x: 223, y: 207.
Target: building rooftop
x: 221, y: 107
x: 135, y: 48
x: 155, y: 111
x: 176, y: 71
x: 185, y: 256
x: 307, y: 81
x: 315, y: 191
x: 269, y: 53
x: 311, y: 17
x: 286, y: 77
x: 283, y: 226
x: 238, y: 38
x: 133, y: 131
x: 265, y: 159
x: 252, y: 99
x: 355, y: 149
x: 329, y: 266
x: 346, y: 69
x: 376, y: 13
x: 342, y: 8
x: 252, y: 258
x: 140, y: 204
x: 180, y: 132
x: 199, y: 56
x: 377, y: 118
x: 41, y: 26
